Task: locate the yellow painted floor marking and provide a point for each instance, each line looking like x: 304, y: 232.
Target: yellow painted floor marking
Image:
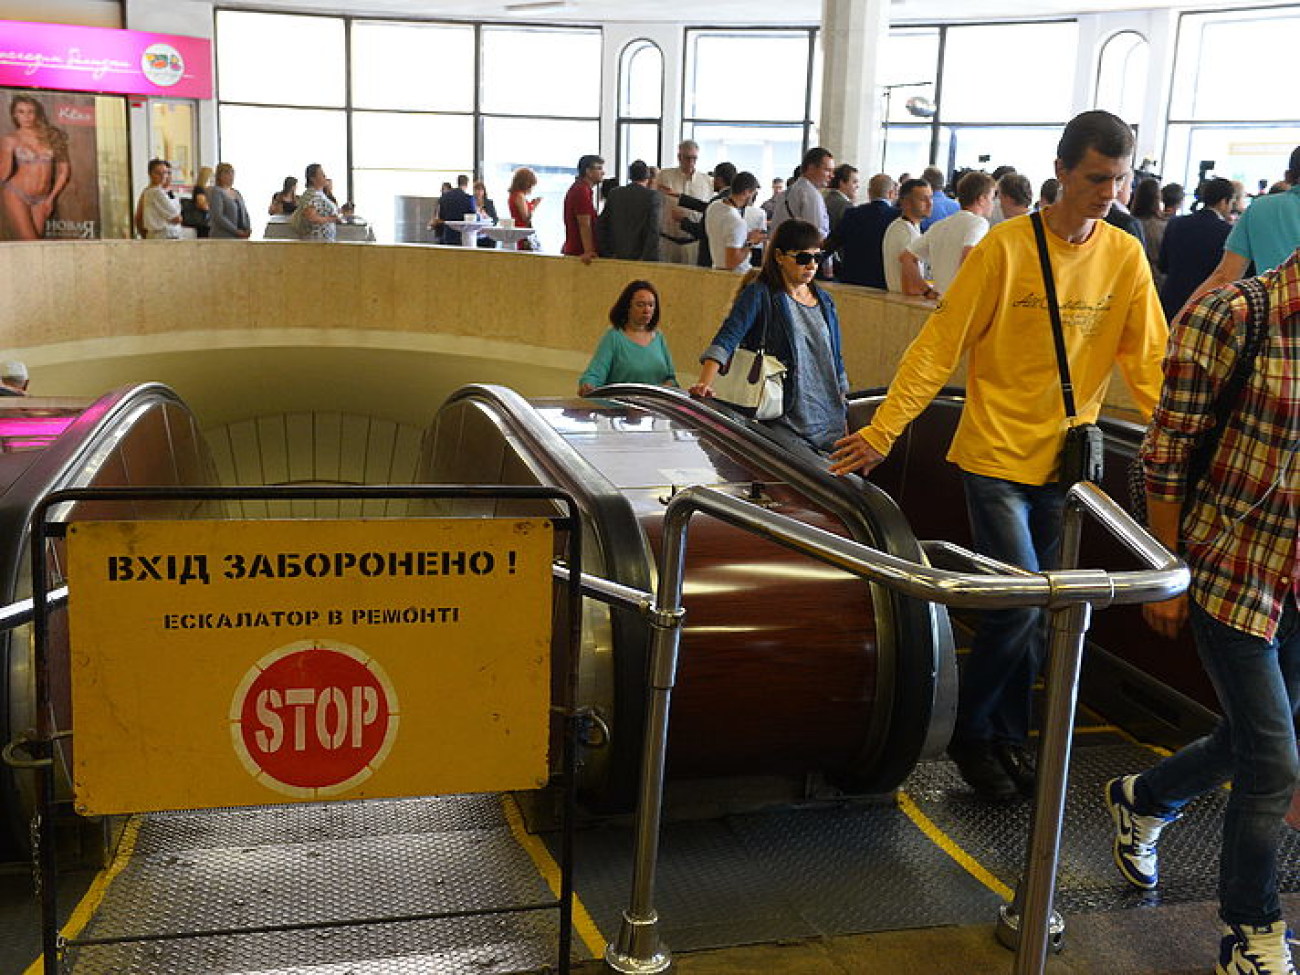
x: 94, y: 896
x: 940, y: 839
x: 550, y: 871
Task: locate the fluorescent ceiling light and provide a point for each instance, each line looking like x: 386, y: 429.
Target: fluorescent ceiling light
x: 538, y: 5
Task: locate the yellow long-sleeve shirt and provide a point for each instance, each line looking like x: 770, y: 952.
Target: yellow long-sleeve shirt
x: 1013, y: 422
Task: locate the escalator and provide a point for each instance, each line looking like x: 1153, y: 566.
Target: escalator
x: 788, y: 667
x: 135, y: 436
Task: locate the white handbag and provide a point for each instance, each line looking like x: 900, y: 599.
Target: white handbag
x: 753, y: 382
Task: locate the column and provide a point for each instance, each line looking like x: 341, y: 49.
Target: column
x: 851, y: 35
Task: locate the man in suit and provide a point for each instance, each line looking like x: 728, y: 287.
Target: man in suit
x: 628, y: 229
x: 1193, y: 245
x: 455, y: 204
x: 857, y: 238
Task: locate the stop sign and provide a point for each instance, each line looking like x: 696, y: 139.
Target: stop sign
x: 314, y: 718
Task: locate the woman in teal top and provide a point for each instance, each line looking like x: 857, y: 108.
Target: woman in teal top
x: 633, y: 350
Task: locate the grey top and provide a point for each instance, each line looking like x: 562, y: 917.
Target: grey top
x: 817, y: 413
x: 229, y: 216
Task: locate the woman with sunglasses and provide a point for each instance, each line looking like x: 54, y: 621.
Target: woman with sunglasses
x: 802, y: 331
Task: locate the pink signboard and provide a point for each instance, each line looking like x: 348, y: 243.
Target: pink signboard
x: 122, y: 62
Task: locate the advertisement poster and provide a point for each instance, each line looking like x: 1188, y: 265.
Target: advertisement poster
x: 58, y: 160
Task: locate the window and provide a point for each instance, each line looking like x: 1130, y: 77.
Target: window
x: 1237, y: 112
x: 261, y: 59
x: 516, y: 83
x: 640, y: 105
x: 1122, y: 75
x: 390, y: 63
x: 1027, y: 84
x: 749, y: 98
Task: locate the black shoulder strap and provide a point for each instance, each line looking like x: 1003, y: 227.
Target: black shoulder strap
x: 1054, y: 311
x: 1256, y: 294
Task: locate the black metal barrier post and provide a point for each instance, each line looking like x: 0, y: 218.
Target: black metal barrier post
x: 42, y: 748
x: 1070, y: 594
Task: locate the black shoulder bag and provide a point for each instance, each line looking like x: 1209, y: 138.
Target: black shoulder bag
x: 1198, y: 462
x: 1083, y: 452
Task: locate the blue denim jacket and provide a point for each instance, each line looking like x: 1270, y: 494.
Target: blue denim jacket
x: 744, y: 326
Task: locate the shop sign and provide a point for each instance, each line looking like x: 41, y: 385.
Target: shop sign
x: 99, y: 59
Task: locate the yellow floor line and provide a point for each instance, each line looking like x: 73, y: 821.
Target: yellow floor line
x: 94, y: 896
x: 550, y: 871
x: 941, y: 840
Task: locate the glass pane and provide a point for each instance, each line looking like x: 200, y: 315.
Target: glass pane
x: 907, y: 149
x: 1031, y: 150
x: 641, y: 81
x: 637, y: 141
x: 1236, y: 66
x: 172, y: 137
x: 767, y: 151
x: 1122, y: 75
x: 261, y: 59
x: 550, y: 149
x: 761, y: 75
x: 522, y: 71
x: 389, y: 61
x: 909, y: 61
x: 398, y: 203
x: 267, y: 144
x: 979, y: 86
x: 1251, y: 154
x: 389, y: 140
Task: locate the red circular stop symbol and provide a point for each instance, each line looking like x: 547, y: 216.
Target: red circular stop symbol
x: 314, y: 718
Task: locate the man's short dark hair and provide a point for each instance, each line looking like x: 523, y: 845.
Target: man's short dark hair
x: 972, y: 186
x: 933, y: 177
x: 813, y: 157
x: 1109, y: 134
x: 843, y: 173
x: 586, y: 162
x: 1215, y: 191
x: 1172, y: 195
x: 1017, y: 189
x: 638, y: 171
x: 156, y: 162
x: 724, y: 171
x: 1293, y: 170
x: 909, y: 185
x: 462, y: 181
x: 743, y: 183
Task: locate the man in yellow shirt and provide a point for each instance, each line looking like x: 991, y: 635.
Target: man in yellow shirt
x: 1009, y: 439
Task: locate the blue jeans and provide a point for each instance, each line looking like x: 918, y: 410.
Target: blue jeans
x: 1254, y: 746
x: 1019, y: 524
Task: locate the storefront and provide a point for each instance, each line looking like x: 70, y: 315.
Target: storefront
x: 65, y: 156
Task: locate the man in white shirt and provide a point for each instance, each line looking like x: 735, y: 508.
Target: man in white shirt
x: 915, y: 198
x: 730, y: 239
x: 946, y: 244
x: 158, y: 213
x: 684, y: 179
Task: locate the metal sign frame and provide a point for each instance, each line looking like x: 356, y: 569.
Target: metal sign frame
x: 42, y: 748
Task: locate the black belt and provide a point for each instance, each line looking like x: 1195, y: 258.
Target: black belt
x: 679, y: 240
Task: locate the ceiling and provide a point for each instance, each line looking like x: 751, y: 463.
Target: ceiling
x: 716, y: 12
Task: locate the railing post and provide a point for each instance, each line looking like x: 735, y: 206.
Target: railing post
x: 638, y: 949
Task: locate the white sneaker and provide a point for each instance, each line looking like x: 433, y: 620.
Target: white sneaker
x: 1251, y: 950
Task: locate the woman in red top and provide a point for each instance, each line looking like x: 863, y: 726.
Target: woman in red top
x: 521, y: 208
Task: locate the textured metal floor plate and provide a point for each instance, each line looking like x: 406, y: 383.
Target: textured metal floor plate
x: 240, y: 868
x: 785, y: 874
x: 1087, y: 880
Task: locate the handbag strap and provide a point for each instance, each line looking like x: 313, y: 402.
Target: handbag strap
x: 1256, y: 294
x: 1054, y: 311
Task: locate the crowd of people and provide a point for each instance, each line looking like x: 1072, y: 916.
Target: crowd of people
x: 1201, y: 314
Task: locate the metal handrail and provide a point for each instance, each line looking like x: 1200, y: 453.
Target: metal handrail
x: 1070, y: 594
x: 16, y: 614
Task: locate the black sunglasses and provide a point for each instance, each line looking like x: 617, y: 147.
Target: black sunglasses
x: 804, y: 258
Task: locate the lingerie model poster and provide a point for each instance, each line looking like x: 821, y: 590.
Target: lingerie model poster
x: 50, y: 163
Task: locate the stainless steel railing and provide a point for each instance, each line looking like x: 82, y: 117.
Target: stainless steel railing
x: 1069, y: 595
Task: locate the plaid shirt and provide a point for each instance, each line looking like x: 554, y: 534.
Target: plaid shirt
x: 1239, y: 534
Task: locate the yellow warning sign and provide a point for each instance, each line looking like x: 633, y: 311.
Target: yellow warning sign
x: 220, y: 663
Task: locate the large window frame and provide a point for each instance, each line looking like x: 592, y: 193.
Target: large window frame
x: 944, y: 131
x: 476, y: 161
x: 806, y: 126
x: 627, y: 121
